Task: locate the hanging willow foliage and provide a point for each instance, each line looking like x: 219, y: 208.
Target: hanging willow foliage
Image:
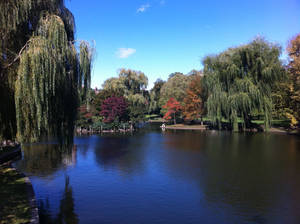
x: 239, y: 82
x: 86, y: 58
x: 39, y: 70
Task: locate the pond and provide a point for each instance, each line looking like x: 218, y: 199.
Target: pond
x: 167, y: 177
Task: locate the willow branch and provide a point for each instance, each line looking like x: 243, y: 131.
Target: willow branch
x: 18, y: 56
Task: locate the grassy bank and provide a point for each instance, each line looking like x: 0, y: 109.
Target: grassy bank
x: 14, y: 204
x: 186, y: 127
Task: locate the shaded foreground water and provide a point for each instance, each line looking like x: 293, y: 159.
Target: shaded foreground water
x: 168, y: 177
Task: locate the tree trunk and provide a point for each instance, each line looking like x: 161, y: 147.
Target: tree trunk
x: 174, y: 119
x: 267, y: 124
x: 235, y: 125
x: 219, y: 124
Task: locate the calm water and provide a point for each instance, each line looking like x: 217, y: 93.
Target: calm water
x: 170, y: 177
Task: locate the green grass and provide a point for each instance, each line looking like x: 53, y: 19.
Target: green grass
x: 14, y: 204
x: 152, y: 116
x: 276, y: 123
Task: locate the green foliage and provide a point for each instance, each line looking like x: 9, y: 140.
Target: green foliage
x: 85, y: 61
x: 45, y: 96
x: 239, y: 82
x: 137, y: 108
x: 294, y: 75
x: 39, y: 69
x: 281, y: 94
x: 175, y: 88
x: 155, y: 97
x: 130, y: 84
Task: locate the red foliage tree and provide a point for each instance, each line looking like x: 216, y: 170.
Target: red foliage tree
x: 112, y: 108
x: 173, y: 107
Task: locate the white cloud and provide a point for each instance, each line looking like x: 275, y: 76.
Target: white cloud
x: 125, y: 52
x: 143, y: 8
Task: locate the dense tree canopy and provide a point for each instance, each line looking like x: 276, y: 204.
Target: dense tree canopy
x: 114, y: 108
x: 155, y: 97
x: 281, y: 95
x: 294, y: 74
x: 193, y: 107
x: 41, y: 73
x: 175, y: 87
x: 130, y: 84
x: 239, y: 82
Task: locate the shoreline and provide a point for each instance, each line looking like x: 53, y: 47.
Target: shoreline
x: 13, y: 176
x: 35, y: 219
x: 18, y: 203
x: 186, y: 127
x: 11, y: 153
x: 205, y: 127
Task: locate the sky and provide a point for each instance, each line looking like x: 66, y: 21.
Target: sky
x: 159, y: 37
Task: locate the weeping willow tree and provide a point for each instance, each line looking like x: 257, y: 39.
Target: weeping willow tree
x: 86, y: 58
x: 41, y: 72
x: 239, y: 82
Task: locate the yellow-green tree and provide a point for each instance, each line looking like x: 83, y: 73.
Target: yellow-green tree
x: 175, y: 87
x: 294, y: 74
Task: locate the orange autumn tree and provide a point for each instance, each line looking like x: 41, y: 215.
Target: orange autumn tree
x: 294, y: 74
x: 193, y: 102
x: 173, y: 107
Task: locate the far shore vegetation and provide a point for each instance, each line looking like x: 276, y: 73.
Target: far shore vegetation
x: 246, y: 88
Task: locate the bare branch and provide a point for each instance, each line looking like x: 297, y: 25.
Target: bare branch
x: 18, y: 56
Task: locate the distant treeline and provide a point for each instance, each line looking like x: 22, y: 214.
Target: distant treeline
x: 239, y: 85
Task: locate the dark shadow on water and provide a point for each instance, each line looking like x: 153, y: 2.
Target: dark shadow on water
x: 66, y: 213
x: 109, y: 149
x: 240, y: 171
x: 45, y: 159
x: 124, y: 153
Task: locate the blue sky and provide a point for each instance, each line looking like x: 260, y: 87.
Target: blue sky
x: 160, y: 37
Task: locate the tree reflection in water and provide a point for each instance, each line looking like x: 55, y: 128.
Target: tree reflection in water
x: 124, y: 153
x: 45, y: 159
x: 235, y: 171
x: 66, y: 213
x: 178, y: 177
